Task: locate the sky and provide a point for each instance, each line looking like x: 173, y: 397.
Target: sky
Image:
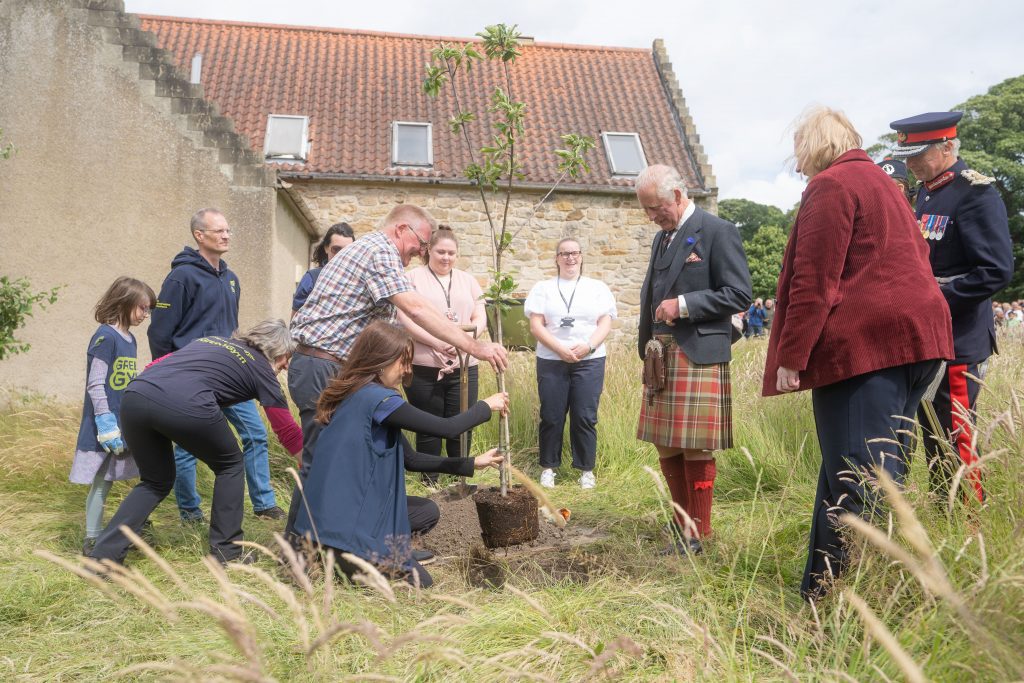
x: 747, y: 69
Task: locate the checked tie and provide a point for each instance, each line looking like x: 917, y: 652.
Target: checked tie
x: 665, y: 239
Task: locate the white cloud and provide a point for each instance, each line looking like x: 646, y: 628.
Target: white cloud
x: 782, y: 191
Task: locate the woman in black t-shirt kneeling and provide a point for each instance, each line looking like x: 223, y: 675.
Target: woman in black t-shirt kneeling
x: 178, y: 398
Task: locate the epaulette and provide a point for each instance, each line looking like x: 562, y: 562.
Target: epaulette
x: 976, y: 178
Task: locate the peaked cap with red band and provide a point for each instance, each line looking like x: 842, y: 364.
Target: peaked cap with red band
x: 913, y: 135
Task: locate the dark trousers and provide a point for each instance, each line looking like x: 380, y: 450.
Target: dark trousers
x: 441, y: 398
x: 573, y: 388
x: 307, y: 378
x: 954, y: 407
x: 423, y: 516
x: 413, y: 570
x: 149, y: 430
x: 847, y: 415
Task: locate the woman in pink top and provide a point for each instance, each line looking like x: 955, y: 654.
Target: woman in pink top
x: 435, y: 369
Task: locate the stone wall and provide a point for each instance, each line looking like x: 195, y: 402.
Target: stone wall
x: 291, y: 256
x: 103, y: 184
x: 613, y: 231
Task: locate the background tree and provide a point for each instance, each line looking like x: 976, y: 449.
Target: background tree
x: 764, y: 229
x: 749, y: 216
x: 992, y: 135
x: 764, y: 256
x: 881, y: 149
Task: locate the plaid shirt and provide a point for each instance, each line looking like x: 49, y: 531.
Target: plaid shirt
x: 351, y: 292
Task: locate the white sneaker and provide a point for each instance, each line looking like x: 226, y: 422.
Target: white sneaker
x: 547, y: 479
x: 588, y: 480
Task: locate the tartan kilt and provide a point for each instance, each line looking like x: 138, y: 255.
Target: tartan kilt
x: 694, y: 410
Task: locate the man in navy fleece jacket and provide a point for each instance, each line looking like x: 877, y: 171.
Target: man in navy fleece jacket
x: 200, y: 298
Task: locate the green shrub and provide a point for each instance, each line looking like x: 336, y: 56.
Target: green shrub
x: 16, y: 303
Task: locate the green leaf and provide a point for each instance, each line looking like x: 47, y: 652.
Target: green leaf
x: 17, y: 303
x: 500, y: 41
x: 435, y: 79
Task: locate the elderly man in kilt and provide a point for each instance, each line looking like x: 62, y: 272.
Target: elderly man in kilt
x: 696, y: 280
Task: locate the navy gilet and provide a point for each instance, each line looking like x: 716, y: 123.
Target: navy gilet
x: 355, y: 488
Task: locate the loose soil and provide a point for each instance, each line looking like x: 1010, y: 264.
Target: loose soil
x: 458, y: 531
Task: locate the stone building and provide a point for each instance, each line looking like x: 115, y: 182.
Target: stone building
x: 125, y: 125
x: 368, y: 137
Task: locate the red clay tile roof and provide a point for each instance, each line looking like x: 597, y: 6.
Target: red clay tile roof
x: 353, y: 84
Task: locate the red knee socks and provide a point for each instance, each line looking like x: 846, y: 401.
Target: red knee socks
x: 700, y: 477
x: 675, y: 476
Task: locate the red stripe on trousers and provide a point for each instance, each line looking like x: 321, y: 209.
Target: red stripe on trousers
x: 963, y: 430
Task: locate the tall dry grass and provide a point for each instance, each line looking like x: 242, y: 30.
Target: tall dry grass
x: 931, y: 594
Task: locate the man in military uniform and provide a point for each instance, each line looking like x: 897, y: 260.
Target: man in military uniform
x: 964, y: 221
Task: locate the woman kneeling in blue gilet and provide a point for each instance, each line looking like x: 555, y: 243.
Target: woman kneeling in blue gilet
x: 355, y: 490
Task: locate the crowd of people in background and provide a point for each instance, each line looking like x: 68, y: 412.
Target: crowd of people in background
x: 871, y: 332
x: 1009, y: 316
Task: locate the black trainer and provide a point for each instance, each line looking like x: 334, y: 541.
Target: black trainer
x: 196, y: 518
x: 423, y: 556
x: 271, y: 513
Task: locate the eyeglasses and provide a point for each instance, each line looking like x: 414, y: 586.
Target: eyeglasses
x: 225, y: 232
x: 570, y: 254
x: 424, y: 244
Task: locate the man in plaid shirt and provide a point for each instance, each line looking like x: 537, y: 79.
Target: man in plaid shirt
x: 366, y: 282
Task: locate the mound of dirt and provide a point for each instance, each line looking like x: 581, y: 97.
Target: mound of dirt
x: 459, y: 530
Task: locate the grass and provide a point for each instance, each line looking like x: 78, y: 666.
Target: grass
x: 931, y: 595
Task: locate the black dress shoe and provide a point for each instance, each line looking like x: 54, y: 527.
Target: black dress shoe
x: 250, y: 557
x: 423, y: 556
x: 680, y: 546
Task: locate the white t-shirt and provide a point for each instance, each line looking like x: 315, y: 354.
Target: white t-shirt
x: 592, y: 300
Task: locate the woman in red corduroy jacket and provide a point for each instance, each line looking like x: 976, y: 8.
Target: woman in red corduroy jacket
x: 859, y: 321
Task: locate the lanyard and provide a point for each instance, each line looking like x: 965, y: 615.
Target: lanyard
x: 568, y: 304
x: 448, y: 293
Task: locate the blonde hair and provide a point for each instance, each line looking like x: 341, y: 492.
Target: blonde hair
x: 820, y: 136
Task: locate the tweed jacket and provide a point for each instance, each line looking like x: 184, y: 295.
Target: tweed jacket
x: 705, y: 262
